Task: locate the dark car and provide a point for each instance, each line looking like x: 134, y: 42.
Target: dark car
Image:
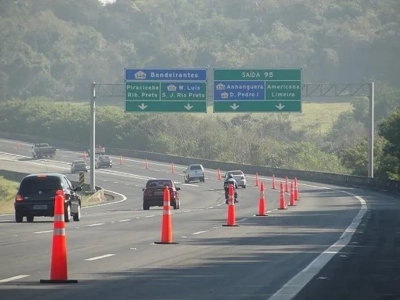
x: 153, y: 193
x: 103, y: 161
x: 36, y: 194
x: 79, y: 166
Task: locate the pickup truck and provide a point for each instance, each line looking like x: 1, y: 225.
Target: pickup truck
x: 99, y: 150
x: 41, y: 150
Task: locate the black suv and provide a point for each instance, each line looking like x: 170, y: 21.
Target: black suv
x: 36, y: 196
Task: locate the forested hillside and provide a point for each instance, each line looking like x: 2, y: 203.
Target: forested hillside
x: 54, y: 48
x: 51, y: 50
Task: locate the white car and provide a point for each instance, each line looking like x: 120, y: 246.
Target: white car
x: 239, y: 176
x: 194, y: 172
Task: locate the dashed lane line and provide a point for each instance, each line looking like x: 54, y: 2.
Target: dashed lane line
x: 99, y: 257
x: 13, y: 278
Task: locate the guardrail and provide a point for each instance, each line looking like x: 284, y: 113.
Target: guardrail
x: 320, y: 177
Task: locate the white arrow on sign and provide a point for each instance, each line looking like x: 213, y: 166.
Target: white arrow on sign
x: 280, y: 106
x: 188, y: 106
x: 234, y: 106
x: 142, y: 106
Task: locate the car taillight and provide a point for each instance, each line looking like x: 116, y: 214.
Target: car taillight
x: 19, y: 198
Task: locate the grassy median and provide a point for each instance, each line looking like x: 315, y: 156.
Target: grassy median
x: 9, y: 188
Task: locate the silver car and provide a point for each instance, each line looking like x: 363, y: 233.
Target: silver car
x: 194, y: 172
x: 239, y: 176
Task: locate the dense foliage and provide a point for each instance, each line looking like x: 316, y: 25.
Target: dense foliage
x: 55, y: 48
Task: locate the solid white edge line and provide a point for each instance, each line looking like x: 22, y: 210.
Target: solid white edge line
x: 299, y: 281
x: 13, y: 278
x: 99, y: 257
x: 93, y: 225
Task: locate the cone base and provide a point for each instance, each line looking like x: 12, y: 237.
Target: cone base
x: 166, y: 243
x: 263, y: 215
x: 226, y: 225
x: 58, y: 281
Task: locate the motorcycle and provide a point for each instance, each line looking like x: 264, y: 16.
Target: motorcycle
x: 227, y: 195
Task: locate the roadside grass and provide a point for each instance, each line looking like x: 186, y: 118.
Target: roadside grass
x: 318, y: 117
x: 8, y: 189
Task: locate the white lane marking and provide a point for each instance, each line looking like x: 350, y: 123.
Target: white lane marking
x: 125, y: 220
x: 45, y: 231
x: 2, y: 221
x: 116, y: 182
x: 124, y: 198
x: 299, y: 281
x: 199, y: 232
x: 99, y: 257
x: 97, y: 224
x: 13, y: 278
x: 190, y: 184
x: 150, y: 216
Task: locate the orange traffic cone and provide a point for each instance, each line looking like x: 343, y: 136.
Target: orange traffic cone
x: 296, y: 190
x: 231, y: 219
x: 166, y: 229
x: 172, y: 168
x: 120, y: 160
x: 18, y: 145
x: 273, y: 182
x: 146, y: 164
x: 256, y: 179
x: 261, y: 202
x: 292, y: 194
x: 282, y: 202
x: 59, y: 268
x: 286, y: 185
x: 219, y: 175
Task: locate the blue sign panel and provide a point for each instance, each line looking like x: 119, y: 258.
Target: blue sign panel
x: 165, y: 75
x: 239, y: 90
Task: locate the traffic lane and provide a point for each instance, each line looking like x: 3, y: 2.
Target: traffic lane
x: 367, y: 268
x: 105, y: 238
x: 258, y: 257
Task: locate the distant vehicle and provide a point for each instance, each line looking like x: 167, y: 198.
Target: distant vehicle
x: 79, y: 166
x: 41, y: 150
x: 194, y: 172
x: 36, y: 194
x: 153, y: 193
x: 103, y: 161
x: 99, y: 150
x: 239, y: 176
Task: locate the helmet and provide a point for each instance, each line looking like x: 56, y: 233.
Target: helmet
x: 230, y: 176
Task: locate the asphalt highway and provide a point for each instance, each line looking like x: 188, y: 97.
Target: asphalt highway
x: 111, y: 251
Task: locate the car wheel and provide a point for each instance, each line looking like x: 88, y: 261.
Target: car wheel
x: 244, y: 186
x: 177, y: 204
x: 29, y: 218
x: 77, y: 216
x: 146, y: 207
x: 67, y: 213
x: 18, y: 217
x: 203, y: 179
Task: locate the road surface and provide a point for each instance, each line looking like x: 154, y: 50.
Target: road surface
x: 111, y: 251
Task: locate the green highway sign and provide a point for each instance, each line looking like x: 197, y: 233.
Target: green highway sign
x: 166, y: 106
x: 257, y: 90
x: 154, y: 90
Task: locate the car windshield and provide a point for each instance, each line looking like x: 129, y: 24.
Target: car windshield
x: 236, y: 173
x: 79, y: 163
x: 106, y: 158
x: 195, y: 167
x: 158, y: 183
x: 34, y: 185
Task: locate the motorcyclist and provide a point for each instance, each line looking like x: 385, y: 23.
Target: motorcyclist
x: 230, y: 181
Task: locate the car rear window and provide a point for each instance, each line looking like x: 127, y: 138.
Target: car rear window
x: 197, y: 167
x: 236, y: 173
x: 158, y: 183
x: 34, y: 185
